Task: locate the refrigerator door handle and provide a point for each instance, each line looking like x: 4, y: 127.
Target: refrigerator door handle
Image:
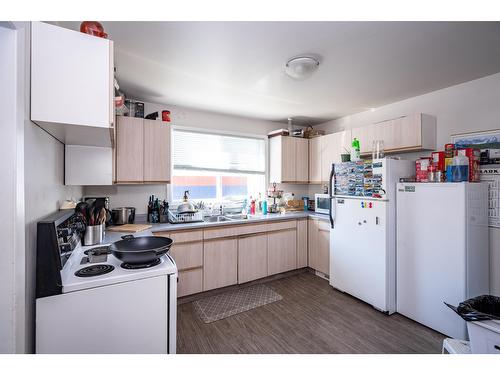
x: 331, y: 180
x: 332, y: 200
x: 332, y: 211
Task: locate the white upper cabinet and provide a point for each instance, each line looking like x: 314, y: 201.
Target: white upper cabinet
x: 72, y: 85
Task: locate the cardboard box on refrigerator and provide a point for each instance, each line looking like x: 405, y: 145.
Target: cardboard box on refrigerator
x: 474, y: 156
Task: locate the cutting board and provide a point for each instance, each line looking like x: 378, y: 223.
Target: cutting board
x: 129, y: 228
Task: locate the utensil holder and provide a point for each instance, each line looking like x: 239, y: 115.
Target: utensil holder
x: 94, y: 234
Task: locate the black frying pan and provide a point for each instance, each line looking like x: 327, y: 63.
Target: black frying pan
x: 140, y: 250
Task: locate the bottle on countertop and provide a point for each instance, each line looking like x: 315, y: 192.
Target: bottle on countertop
x: 355, y: 150
x: 252, y: 207
x: 244, y: 207
x: 264, y: 207
x: 150, y: 208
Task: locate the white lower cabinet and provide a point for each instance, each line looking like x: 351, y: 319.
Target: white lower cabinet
x: 281, y: 251
x: 319, y: 245
x: 220, y: 263
x: 252, y: 257
x: 228, y: 255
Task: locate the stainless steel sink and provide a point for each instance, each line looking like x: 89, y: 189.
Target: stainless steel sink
x: 237, y: 217
x: 216, y: 219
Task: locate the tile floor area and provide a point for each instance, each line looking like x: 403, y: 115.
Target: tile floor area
x: 312, y: 317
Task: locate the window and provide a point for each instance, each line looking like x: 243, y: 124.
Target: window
x: 216, y: 167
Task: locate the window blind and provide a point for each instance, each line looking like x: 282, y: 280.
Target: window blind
x: 218, y: 153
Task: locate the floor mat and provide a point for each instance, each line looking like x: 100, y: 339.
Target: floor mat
x: 223, y: 305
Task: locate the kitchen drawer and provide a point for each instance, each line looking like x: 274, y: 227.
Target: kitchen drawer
x: 187, y: 255
x: 242, y: 229
x: 183, y: 236
x: 190, y: 282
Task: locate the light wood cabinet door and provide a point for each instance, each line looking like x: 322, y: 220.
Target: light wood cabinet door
x: 156, y: 151
x: 288, y: 159
x: 281, y: 251
x: 319, y: 245
x: 366, y: 135
x: 312, y: 239
x: 220, y: 263
x: 315, y: 159
x: 187, y: 255
x: 329, y: 147
x: 190, y: 282
x: 129, y: 149
x: 252, y: 257
x: 301, y: 160
x: 301, y: 243
x: 323, y: 245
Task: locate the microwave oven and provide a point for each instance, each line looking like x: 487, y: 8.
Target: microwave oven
x: 322, y: 203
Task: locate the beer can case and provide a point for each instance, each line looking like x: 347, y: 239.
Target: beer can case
x: 474, y: 156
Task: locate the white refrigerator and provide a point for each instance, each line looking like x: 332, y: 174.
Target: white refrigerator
x: 362, y: 234
x: 442, y: 251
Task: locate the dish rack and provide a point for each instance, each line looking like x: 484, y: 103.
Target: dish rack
x: 178, y: 218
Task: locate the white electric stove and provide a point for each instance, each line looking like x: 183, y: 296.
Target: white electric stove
x: 101, y: 307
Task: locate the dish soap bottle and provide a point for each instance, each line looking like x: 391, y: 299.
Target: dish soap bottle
x: 355, y: 150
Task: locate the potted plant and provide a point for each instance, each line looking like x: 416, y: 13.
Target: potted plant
x: 346, y: 156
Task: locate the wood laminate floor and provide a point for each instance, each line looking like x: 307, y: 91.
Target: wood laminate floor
x: 311, y: 318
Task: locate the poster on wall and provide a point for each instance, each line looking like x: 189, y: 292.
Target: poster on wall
x: 489, y: 144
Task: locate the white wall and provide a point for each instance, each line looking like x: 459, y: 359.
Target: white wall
x: 43, y: 186
x: 11, y: 284
x: 137, y: 196
x: 471, y: 106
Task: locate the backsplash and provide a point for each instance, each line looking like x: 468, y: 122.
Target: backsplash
x: 128, y: 195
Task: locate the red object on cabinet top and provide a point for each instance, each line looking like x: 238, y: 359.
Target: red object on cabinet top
x: 93, y: 28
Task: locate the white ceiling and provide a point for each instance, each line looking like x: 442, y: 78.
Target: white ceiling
x: 237, y: 67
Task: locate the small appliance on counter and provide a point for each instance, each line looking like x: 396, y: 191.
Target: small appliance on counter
x: 322, y: 203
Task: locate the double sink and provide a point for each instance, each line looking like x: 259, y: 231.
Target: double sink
x: 223, y: 218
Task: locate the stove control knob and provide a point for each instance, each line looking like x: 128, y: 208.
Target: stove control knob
x: 65, y: 232
x: 65, y: 247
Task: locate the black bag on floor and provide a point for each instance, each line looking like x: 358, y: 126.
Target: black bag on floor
x: 485, y: 307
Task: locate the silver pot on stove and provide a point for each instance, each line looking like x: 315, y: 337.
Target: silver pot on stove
x: 123, y: 215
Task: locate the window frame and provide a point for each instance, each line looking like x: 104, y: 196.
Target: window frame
x: 216, y: 132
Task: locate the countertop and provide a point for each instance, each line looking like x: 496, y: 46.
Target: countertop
x: 111, y: 236
x: 163, y: 227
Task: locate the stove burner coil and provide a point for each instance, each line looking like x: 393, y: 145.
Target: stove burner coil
x: 133, y: 266
x: 101, y: 250
x: 96, y: 270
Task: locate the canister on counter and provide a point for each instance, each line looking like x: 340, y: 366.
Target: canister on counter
x: 165, y: 115
x: 139, y: 110
x: 431, y: 176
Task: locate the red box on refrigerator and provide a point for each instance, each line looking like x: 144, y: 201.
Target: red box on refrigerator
x: 474, y: 156
x: 421, y: 173
x: 438, y: 160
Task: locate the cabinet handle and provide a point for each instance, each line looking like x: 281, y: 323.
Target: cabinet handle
x: 497, y: 347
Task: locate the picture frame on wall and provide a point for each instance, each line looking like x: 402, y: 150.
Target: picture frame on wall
x: 489, y: 144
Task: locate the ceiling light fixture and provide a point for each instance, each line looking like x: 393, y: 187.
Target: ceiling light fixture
x: 301, y: 67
